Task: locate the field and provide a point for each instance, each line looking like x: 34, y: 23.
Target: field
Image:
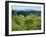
x: 29, y: 22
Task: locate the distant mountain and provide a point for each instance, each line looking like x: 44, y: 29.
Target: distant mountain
x: 28, y: 10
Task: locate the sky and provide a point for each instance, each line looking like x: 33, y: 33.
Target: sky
x: 25, y: 8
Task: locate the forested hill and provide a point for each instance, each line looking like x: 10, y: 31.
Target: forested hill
x: 15, y: 12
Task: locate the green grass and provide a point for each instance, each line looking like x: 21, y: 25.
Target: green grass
x: 30, y: 22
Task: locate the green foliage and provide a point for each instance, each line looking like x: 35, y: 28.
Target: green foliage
x: 29, y: 22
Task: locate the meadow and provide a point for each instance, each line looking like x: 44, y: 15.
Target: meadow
x: 28, y: 22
